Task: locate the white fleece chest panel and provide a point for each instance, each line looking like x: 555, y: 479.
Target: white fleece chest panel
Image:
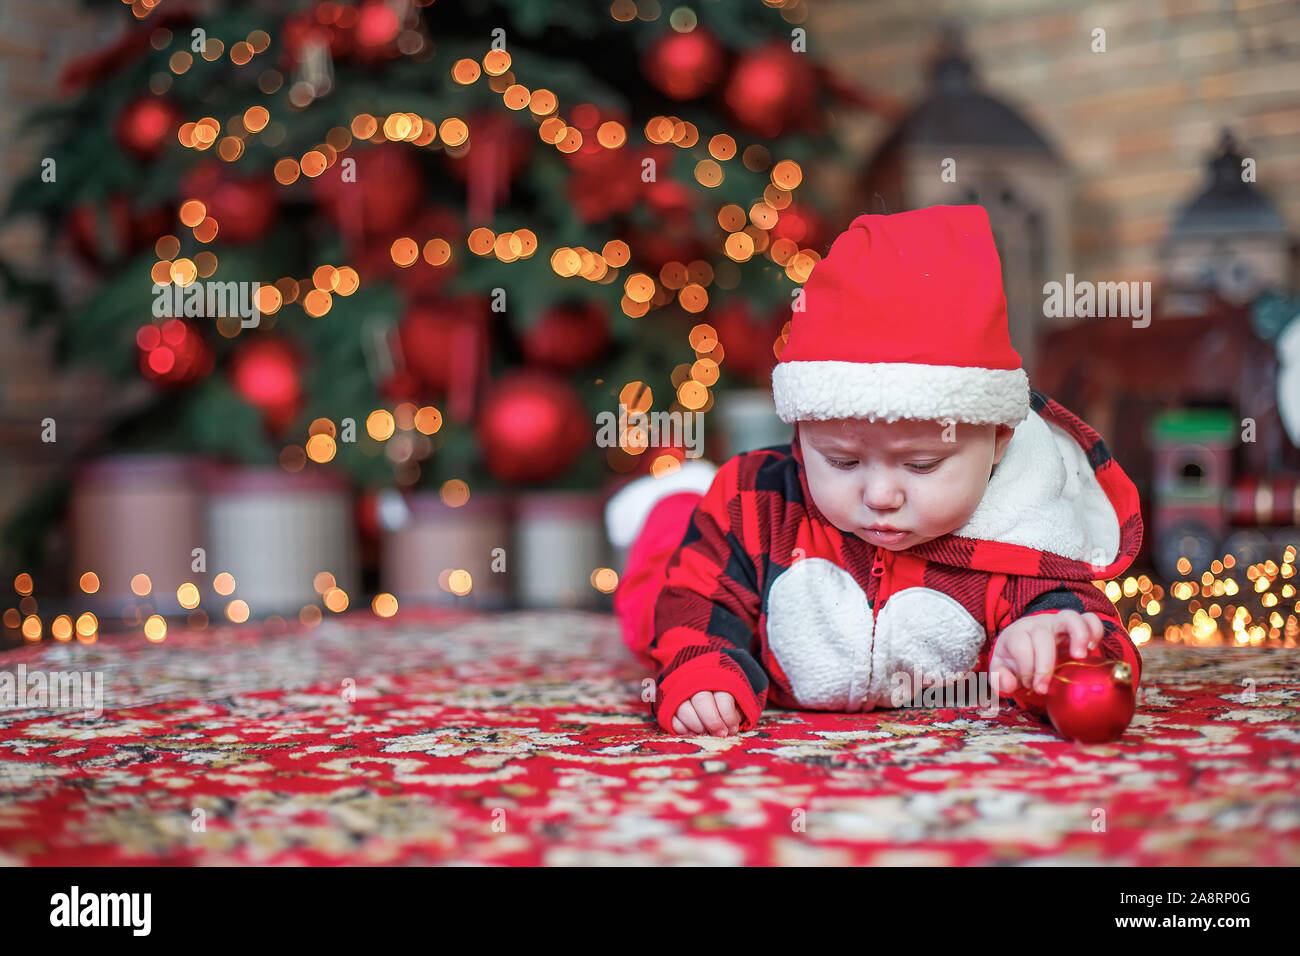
x: 838, y: 654
x: 1045, y: 495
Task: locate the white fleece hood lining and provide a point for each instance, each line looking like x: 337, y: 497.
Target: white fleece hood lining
x: 1045, y: 495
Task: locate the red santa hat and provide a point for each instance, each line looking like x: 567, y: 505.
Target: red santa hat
x: 904, y: 318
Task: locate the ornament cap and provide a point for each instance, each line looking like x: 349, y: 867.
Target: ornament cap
x: 1083, y: 669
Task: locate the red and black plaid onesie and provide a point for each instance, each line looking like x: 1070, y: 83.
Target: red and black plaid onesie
x: 749, y: 589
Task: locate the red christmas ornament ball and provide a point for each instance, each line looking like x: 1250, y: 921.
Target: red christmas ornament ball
x: 100, y: 233
x: 1091, y: 701
x: 801, y: 225
x: 747, y: 342
x: 422, y: 281
x: 498, y: 138
x: 243, y: 207
x: 771, y: 89
x: 532, y: 426
x: 327, y: 25
x: 684, y: 65
x: 401, y: 386
x: 605, y: 181
x: 265, y: 372
x: 377, y: 26
x: 431, y: 335
x: 426, y: 333
x: 675, y: 238
x: 568, y: 336
x: 173, y: 353
x: 608, y: 182
x: 145, y: 125
x: 387, y: 187
x: 366, y: 512
x: 105, y: 232
x: 668, y: 197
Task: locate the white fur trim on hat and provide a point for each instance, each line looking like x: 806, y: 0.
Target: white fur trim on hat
x: 815, y: 391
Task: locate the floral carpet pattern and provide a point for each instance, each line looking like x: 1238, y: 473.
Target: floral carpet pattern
x: 450, y: 737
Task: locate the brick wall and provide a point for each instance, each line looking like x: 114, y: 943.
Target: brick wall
x: 1135, y: 124
x: 36, y: 40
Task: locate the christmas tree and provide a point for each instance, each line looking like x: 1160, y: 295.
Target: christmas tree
x: 420, y: 241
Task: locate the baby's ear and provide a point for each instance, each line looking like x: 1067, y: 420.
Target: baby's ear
x: 1001, y: 439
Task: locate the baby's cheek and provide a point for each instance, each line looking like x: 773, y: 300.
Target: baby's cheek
x: 944, y: 512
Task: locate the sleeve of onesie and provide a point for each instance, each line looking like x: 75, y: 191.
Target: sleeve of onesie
x: 1025, y: 597
x: 706, y: 617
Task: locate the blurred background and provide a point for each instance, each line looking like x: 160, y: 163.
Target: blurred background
x: 321, y: 307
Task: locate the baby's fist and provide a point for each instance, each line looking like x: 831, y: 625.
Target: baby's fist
x: 1027, y: 648
x: 713, y: 709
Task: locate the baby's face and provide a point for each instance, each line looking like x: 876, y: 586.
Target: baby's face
x: 923, y: 477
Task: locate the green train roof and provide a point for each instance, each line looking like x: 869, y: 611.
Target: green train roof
x: 1194, y: 424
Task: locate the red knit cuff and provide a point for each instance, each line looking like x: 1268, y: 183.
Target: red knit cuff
x: 687, y: 681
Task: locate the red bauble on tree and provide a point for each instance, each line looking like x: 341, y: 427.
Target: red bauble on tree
x: 422, y: 280
x: 104, y: 232
x: 366, y: 513
x: 322, y: 26
x: 532, y: 427
x: 434, y: 336
x: 490, y: 128
x: 402, y: 386
x: 376, y: 28
x: 568, y: 336
x: 173, y: 353
x: 387, y: 188
x: 1091, y: 701
x: 747, y: 342
x: 266, y: 373
x: 666, y: 197
x: 146, y: 124
x: 243, y: 207
x: 607, y: 181
x: 684, y: 65
x: 801, y: 225
x: 499, y: 148
x: 427, y: 333
x: 593, y: 156
x: 773, y: 90
x: 675, y: 237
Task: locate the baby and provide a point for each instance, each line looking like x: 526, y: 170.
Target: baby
x: 932, y: 517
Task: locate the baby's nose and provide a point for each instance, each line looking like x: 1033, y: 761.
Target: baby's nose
x: 882, y: 495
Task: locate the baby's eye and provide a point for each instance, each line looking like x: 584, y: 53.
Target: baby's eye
x: 925, y: 466
x: 842, y: 465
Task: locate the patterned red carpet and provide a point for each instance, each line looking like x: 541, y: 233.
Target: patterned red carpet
x: 521, y: 738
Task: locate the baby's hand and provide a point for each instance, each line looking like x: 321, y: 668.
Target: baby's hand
x: 715, y: 709
x: 1026, y: 650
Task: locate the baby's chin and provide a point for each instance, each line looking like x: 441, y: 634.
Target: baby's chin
x: 907, y: 541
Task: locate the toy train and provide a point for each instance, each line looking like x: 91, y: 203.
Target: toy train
x: 1201, y: 511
